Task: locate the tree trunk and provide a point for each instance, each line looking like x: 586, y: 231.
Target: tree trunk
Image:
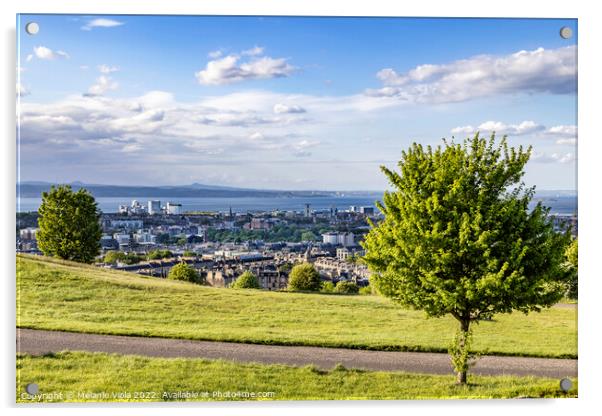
x: 464, y: 327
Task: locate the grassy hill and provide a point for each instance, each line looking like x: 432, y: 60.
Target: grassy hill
x: 58, y: 295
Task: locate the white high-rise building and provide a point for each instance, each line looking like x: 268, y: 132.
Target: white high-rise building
x: 154, y: 207
x: 173, y: 208
x: 334, y: 238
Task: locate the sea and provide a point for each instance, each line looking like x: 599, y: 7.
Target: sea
x: 558, y: 204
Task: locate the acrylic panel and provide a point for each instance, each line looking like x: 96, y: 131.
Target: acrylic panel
x: 253, y: 208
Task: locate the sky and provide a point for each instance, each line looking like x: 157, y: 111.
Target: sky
x: 285, y: 102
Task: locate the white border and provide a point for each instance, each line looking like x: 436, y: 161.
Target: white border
x: 589, y: 190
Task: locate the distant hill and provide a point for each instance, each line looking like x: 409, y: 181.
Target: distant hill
x: 34, y: 189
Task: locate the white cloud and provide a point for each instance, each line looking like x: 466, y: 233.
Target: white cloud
x: 229, y: 69
x: 106, y: 69
x: 284, y: 109
x: 256, y: 136
x: 464, y: 130
x: 553, y: 158
x: 564, y: 134
x: 42, y: 52
x: 537, y: 71
x: 84, y: 67
x: 523, y: 128
x: 102, y: 22
x: 29, y: 57
x: 255, y: 51
x: 215, y: 54
x: 571, y: 142
x: 103, y: 84
x: 301, y: 148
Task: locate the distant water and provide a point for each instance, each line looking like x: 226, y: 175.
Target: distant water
x: 244, y: 204
x: 558, y: 204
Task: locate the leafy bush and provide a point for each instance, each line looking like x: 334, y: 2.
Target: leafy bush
x: 185, y: 272
x: 304, y: 277
x: 247, y: 280
x: 132, y: 258
x: 159, y: 254
x: 366, y: 290
x: 112, y: 257
x: 348, y: 288
x: 327, y: 287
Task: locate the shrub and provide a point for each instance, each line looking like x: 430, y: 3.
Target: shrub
x: 185, y: 272
x: 247, y: 280
x: 304, y: 277
x: 327, y: 287
x: 366, y: 290
x: 112, y: 257
x: 348, y: 288
x: 159, y: 254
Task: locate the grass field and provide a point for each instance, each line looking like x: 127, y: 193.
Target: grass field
x: 103, y: 377
x: 57, y: 295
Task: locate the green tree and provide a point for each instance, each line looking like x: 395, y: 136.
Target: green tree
x: 112, y: 257
x: 69, y: 224
x: 304, y: 277
x: 327, y: 287
x: 132, y: 258
x: 308, y: 236
x: 458, y: 237
x: 189, y: 253
x: 247, y: 280
x: 365, y: 290
x: 185, y: 272
x: 159, y: 254
x: 571, y: 266
x: 348, y: 288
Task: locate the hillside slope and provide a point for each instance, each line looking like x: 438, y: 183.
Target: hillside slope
x: 58, y: 295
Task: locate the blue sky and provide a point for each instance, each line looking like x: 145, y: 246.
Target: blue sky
x: 285, y: 103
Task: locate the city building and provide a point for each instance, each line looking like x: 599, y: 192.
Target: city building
x: 343, y: 253
x: 367, y: 210
x: 174, y: 208
x: 126, y: 224
x: 339, y: 238
x: 143, y: 236
x: 122, y: 238
x: 107, y: 242
x: 136, y: 208
x: 28, y: 234
x: 154, y: 207
x: 259, y: 224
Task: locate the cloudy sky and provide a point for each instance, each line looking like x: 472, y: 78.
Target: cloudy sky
x: 285, y: 103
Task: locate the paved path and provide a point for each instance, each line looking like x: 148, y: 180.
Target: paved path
x: 39, y: 342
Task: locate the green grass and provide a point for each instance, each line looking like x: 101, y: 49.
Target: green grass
x: 95, y: 373
x: 58, y: 295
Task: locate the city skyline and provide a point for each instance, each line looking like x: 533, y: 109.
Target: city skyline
x: 286, y: 103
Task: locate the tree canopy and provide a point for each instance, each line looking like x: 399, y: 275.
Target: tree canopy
x: 69, y: 225
x: 304, y: 277
x: 185, y: 272
x: 247, y: 280
x: 458, y: 236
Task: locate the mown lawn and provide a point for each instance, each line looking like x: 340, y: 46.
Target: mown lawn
x: 77, y: 376
x: 57, y: 295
